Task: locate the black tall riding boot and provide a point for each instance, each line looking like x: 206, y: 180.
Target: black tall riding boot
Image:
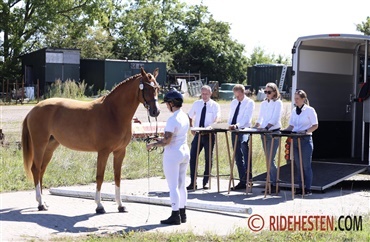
x: 174, y: 219
x: 183, y: 215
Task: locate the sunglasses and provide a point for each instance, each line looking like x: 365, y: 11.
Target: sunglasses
x: 268, y: 92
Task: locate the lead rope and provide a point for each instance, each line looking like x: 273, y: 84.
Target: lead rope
x: 147, y: 141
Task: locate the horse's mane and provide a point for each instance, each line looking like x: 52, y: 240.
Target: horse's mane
x: 120, y: 84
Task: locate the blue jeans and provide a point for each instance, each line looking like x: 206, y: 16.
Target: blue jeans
x: 241, y: 156
x: 273, y: 170
x: 204, y: 143
x: 307, y: 149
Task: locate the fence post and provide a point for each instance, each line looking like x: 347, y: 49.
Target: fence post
x: 7, y: 91
x: 22, y: 98
x: 3, y: 92
x: 16, y: 92
x: 38, y: 90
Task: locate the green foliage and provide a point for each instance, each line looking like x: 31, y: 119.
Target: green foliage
x: 364, y: 27
x: 259, y: 56
x: 24, y: 25
x: 204, y: 45
x: 67, y: 89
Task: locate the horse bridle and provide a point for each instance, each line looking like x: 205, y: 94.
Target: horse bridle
x: 146, y: 105
x: 141, y: 87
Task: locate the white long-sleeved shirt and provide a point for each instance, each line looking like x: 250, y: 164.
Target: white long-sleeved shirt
x: 270, y: 113
x: 305, y: 120
x: 213, y: 112
x: 244, y: 119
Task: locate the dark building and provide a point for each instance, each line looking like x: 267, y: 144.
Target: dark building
x: 48, y: 65
x: 260, y: 75
x: 105, y: 74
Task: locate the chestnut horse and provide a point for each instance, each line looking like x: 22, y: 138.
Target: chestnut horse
x: 102, y: 125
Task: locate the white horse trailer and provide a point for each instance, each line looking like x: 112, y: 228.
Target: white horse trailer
x: 331, y: 69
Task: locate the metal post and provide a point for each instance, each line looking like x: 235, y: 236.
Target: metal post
x: 363, y: 110
x: 363, y: 122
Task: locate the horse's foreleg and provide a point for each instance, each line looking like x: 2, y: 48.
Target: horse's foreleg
x: 102, y: 162
x: 117, y: 164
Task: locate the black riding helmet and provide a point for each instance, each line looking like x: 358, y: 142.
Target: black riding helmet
x: 175, y: 97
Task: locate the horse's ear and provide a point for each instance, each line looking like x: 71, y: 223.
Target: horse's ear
x: 143, y: 73
x: 156, y: 72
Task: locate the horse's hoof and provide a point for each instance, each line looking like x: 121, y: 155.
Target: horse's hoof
x: 100, y: 210
x: 122, y: 209
x: 42, y: 208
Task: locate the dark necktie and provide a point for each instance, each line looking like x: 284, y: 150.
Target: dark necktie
x: 235, y: 114
x: 299, y: 109
x: 202, y: 116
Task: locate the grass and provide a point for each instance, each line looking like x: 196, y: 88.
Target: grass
x: 69, y: 167
x: 240, y: 234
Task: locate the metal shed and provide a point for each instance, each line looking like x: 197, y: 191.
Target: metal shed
x: 50, y: 64
x: 261, y: 74
x: 105, y: 74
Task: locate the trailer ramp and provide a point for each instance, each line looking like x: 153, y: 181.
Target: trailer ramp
x: 325, y: 174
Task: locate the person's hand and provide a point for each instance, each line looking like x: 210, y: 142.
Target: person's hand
x: 149, y: 146
x: 261, y: 129
x: 302, y: 132
x: 232, y: 127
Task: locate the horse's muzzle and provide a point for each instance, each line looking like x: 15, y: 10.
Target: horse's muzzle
x: 154, y: 112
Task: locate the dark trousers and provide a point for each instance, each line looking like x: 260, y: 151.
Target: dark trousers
x: 204, y: 143
x: 241, y: 156
x: 307, y: 150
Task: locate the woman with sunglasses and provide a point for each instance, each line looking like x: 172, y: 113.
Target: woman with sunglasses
x: 269, y: 119
x: 303, y: 120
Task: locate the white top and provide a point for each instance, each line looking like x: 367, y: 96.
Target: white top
x: 305, y: 120
x: 178, y: 125
x: 213, y: 112
x: 244, y: 119
x: 270, y: 113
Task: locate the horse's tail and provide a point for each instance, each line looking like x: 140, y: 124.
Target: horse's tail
x: 27, y: 149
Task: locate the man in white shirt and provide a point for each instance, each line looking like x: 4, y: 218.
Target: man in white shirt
x: 203, y: 113
x: 241, y: 110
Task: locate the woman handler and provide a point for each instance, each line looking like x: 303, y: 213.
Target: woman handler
x: 176, y: 156
x: 303, y: 120
x: 270, y: 119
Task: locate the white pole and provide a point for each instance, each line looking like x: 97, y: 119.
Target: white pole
x: 152, y: 200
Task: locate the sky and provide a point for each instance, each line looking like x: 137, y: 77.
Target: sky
x: 275, y: 25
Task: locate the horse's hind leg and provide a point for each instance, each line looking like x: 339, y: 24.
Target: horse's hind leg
x: 117, y: 164
x: 36, y: 172
x: 102, y: 162
x: 38, y: 169
x: 50, y: 148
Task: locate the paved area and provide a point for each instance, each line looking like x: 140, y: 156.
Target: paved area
x: 69, y: 216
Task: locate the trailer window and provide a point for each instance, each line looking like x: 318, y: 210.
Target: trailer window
x: 362, y: 65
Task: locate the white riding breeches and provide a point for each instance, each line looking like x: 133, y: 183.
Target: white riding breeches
x: 175, y: 164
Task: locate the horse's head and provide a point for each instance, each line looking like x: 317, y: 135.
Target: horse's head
x: 149, y: 92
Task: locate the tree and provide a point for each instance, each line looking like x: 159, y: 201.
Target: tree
x: 24, y: 24
x: 143, y: 29
x: 204, y: 45
x: 364, y: 27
